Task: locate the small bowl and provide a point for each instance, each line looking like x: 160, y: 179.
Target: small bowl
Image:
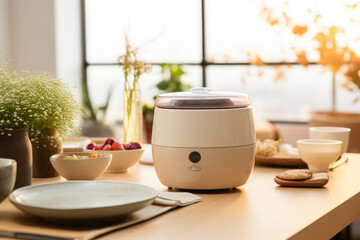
x: 7, y: 177
x: 319, y: 153
x: 80, y: 169
x: 336, y: 133
x: 122, y: 159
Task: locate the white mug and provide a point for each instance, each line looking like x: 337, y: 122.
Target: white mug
x: 335, y: 133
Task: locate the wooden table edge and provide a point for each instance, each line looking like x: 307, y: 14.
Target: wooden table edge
x: 329, y: 225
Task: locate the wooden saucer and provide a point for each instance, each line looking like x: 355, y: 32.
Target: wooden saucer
x: 317, y: 180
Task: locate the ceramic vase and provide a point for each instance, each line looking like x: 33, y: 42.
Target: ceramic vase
x: 133, y: 118
x: 48, y: 144
x: 15, y: 144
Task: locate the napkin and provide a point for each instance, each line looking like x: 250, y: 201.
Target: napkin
x: 175, y: 199
x: 20, y: 225
x: 146, y: 158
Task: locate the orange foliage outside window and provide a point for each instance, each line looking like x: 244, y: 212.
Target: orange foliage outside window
x: 331, y: 54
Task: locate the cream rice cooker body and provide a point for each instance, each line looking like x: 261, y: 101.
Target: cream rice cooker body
x: 203, y: 139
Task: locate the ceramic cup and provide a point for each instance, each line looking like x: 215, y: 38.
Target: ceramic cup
x: 7, y: 177
x: 335, y: 133
x: 319, y: 153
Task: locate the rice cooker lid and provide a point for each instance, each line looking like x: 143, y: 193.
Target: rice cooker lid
x: 202, y: 98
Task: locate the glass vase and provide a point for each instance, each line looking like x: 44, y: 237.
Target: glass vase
x: 133, y: 119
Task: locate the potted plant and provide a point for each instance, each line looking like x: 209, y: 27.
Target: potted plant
x: 93, y: 124
x: 42, y: 104
x: 171, y: 82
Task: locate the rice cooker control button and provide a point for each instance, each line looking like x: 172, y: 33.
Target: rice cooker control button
x: 194, y: 157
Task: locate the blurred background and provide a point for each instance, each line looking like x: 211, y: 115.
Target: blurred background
x: 267, y: 49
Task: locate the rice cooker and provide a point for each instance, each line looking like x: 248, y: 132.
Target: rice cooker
x: 203, y: 139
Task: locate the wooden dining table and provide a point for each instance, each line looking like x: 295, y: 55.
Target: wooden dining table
x: 260, y: 209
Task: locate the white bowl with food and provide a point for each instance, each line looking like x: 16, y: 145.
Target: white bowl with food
x: 80, y: 165
x: 124, y: 156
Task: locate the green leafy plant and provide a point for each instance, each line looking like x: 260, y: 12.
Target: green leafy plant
x: 172, y: 82
x: 37, y: 102
x: 93, y: 114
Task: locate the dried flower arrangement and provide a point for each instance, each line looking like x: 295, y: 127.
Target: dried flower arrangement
x: 132, y: 68
x: 37, y: 102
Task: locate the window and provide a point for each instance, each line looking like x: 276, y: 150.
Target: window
x: 214, y: 41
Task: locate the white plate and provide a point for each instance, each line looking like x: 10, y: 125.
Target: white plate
x: 72, y: 201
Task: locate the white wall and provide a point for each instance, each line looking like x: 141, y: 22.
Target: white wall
x: 68, y: 41
x: 42, y: 35
x: 32, y: 35
x: 4, y: 28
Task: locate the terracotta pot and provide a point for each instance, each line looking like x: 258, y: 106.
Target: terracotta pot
x: 17, y: 146
x: 148, y: 117
x: 339, y: 119
x: 148, y: 131
x: 47, y: 146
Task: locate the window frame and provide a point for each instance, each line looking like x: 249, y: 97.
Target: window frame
x: 203, y: 63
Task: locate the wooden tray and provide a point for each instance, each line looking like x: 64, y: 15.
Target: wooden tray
x: 280, y: 161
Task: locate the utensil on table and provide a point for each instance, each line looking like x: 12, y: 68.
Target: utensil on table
x: 31, y: 236
x: 338, y: 163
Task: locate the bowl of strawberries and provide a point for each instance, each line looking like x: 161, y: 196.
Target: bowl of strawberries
x: 124, y: 155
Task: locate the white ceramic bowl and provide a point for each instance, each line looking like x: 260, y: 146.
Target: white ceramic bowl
x: 7, y: 177
x: 336, y: 133
x: 319, y: 153
x: 80, y: 169
x: 121, y: 159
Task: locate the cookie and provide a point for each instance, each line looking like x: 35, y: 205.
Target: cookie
x: 296, y: 174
